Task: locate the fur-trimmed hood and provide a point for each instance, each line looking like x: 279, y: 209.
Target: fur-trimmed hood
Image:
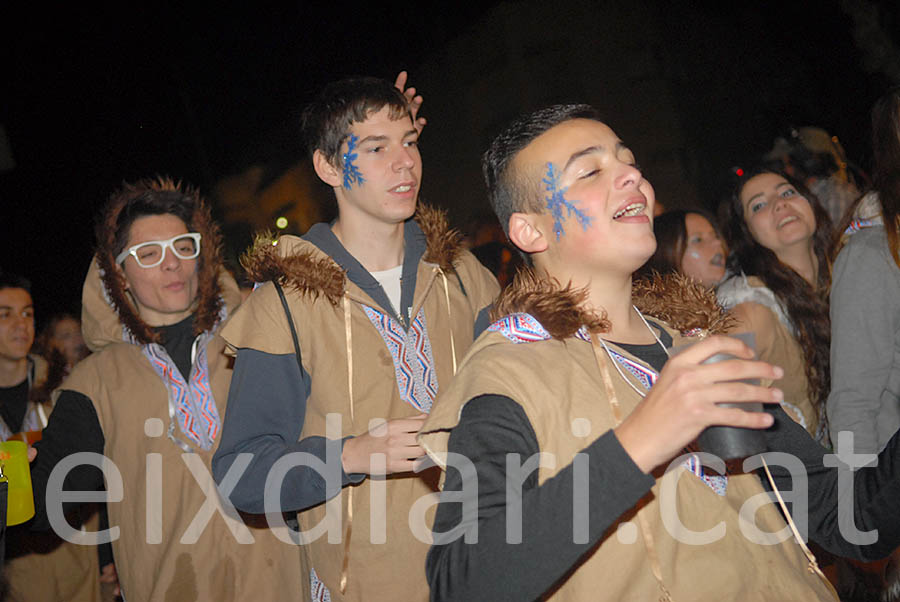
x: 106, y: 304
x: 295, y: 262
x: 101, y: 325
x: 675, y: 299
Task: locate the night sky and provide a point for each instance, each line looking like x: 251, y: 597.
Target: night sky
x: 90, y: 100
x: 93, y: 99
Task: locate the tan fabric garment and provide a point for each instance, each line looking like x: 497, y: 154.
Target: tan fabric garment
x: 732, y: 568
x: 560, y: 385
x: 783, y: 349
x: 392, y: 570
x: 55, y: 570
x: 41, y: 567
x: 155, y: 557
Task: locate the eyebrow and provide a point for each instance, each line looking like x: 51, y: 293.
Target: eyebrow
x: 2, y: 307
x: 591, y: 150
x: 759, y: 194
x: 383, y: 138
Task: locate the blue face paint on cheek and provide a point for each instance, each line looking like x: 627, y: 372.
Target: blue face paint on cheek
x: 351, y: 171
x: 557, y: 201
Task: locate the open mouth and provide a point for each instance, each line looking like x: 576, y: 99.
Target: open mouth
x: 402, y: 188
x: 631, y: 210
x: 787, y: 220
x: 718, y: 260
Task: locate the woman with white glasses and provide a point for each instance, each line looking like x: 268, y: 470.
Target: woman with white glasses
x: 150, y: 399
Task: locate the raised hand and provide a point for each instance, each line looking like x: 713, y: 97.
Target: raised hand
x: 415, y: 102
x: 683, y: 401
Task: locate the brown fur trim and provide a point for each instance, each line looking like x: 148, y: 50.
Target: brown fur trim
x: 681, y: 302
x: 443, y: 243
x: 209, y: 290
x: 557, y: 308
x: 676, y: 300
x: 306, y: 273
x: 209, y: 302
x: 313, y: 275
x: 113, y: 277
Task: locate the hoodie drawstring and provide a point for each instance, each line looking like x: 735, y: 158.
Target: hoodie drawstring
x: 449, y: 317
x: 652, y: 554
x: 348, y: 335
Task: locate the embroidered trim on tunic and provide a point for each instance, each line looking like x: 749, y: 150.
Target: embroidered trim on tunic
x: 524, y: 328
x: 858, y: 224
x: 520, y: 328
x: 412, y: 356
x: 195, y: 407
x: 317, y: 589
x: 192, y: 400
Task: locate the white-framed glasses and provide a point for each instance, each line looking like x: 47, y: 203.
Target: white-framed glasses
x: 151, y: 253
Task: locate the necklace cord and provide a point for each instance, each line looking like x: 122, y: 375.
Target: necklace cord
x: 649, y: 542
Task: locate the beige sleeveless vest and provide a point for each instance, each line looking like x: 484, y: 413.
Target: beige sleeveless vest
x: 559, y: 385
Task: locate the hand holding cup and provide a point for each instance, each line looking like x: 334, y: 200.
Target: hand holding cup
x: 690, y: 395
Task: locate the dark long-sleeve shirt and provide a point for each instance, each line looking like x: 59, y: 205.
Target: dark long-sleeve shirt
x: 261, y: 422
x: 491, y: 427
x: 75, y: 427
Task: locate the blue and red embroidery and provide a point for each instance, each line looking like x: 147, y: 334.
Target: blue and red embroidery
x: 524, y: 328
x: 317, y: 589
x: 195, y: 407
x: 520, y: 328
x: 411, y: 352
x: 858, y: 224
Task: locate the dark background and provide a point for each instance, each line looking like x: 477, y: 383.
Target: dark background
x: 94, y: 98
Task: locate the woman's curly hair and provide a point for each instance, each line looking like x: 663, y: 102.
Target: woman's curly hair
x: 158, y: 196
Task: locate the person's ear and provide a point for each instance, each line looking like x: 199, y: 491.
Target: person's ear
x: 526, y: 232
x: 121, y: 269
x: 328, y: 173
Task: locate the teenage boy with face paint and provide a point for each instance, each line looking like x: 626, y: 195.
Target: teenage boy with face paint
x: 567, y: 371
x: 384, y: 302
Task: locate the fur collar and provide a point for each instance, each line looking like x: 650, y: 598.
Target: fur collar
x: 307, y: 270
x: 209, y: 289
x: 676, y: 300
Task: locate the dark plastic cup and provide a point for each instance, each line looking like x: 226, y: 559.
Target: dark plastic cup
x: 730, y: 442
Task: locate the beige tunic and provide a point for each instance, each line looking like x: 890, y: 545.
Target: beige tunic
x: 161, y: 554
x: 41, y: 567
x: 388, y: 564
x: 619, y: 569
x: 775, y: 344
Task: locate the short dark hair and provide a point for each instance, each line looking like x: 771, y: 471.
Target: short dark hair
x: 147, y: 198
x: 158, y: 196
x: 509, y: 192
x: 326, y: 120
x: 10, y: 280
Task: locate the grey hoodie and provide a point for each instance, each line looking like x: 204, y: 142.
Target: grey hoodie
x: 865, y: 336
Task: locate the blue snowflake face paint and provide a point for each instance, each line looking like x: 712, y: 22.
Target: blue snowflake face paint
x: 351, y: 171
x: 557, y: 202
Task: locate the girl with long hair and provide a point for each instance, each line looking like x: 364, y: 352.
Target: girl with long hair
x: 779, y: 240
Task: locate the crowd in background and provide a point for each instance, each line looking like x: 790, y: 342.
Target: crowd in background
x: 803, y: 252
